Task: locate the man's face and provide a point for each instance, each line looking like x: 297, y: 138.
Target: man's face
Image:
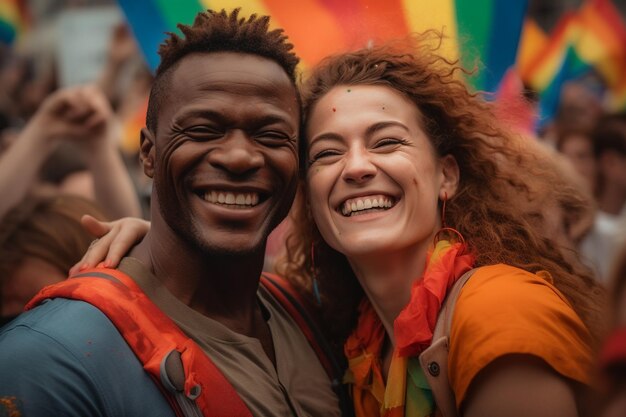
x: 226, y: 158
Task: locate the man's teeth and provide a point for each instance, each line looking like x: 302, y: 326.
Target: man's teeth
x: 228, y: 198
x: 354, y: 206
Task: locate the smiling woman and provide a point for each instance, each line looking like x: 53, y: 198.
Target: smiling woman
x: 397, y: 148
x: 373, y: 148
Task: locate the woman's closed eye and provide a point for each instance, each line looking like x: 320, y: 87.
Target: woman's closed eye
x: 324, y: 154
x: 389, y: 142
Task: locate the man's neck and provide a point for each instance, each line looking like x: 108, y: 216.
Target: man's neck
x: 222, y: 287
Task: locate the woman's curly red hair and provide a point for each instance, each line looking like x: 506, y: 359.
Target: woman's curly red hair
x: 504, y: 189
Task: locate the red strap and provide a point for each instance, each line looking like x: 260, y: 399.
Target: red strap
x: 151, y: 335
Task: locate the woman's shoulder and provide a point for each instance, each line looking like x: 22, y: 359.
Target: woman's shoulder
x: 506, y: 310
x: 496, y: 285
x: 505, y: 299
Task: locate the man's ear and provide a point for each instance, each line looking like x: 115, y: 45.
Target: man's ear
x: 451, y: 176
x: 146, y: 151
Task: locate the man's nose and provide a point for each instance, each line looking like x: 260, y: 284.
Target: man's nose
x: 238, y: 154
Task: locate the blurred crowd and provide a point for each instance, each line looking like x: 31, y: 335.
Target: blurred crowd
x: 66, y: 152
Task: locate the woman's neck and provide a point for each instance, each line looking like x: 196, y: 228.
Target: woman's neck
x: 387, y: 279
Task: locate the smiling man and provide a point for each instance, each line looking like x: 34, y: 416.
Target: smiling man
x: 221, y: 146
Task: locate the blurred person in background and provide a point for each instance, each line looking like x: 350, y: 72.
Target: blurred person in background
x: 40, y: 239
x: 80, y: 116
x: 577, y: 147
x: 126, y: 81
x: 579, y: 107
x: 600, y: 245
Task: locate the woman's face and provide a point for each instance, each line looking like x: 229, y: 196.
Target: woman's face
x: 374, y: 179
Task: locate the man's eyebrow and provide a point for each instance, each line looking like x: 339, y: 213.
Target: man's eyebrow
x: 259, y: 119
x: 203, y: 113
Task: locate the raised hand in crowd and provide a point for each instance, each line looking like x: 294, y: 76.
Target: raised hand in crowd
x: 82, y: 116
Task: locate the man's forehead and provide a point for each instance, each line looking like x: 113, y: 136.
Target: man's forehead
x: 229, y: 67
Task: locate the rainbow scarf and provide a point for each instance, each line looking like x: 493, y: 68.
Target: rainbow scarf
x: 413, y: 331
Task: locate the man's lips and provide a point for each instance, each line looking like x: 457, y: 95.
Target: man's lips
x: 230, y: 198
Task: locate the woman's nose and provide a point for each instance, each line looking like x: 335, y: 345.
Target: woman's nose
x: 359, y: 167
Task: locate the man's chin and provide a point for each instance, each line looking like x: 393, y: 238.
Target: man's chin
x: 231, y: 247
x: 230, y: 252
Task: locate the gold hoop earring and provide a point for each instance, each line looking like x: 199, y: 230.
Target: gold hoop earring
x: 450, y: 232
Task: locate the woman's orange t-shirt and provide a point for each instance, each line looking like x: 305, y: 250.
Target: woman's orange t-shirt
x: 505, y: 310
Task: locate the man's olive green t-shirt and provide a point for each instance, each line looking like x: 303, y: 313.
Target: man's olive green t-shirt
x: 298, y: 385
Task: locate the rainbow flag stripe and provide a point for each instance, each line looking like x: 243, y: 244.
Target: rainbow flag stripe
x: 533, y: 41
x: 481, y: 33
x: 13, y: 20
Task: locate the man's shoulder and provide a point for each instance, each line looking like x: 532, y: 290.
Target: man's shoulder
x: 65, y: 356
x: 60, y: 335
x: 74, y: 325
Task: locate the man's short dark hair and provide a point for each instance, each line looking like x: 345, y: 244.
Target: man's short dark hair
x: 220, y: 32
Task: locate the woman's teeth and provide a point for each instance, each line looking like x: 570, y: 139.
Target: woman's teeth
x: 234, y: 199
x: 358, y: 206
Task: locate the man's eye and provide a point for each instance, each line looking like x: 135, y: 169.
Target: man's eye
x: 272, y: 137
x: 203, y: 133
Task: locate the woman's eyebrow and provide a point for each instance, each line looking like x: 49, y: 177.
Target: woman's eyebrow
x: 325, y: 136
x: 382, y: 125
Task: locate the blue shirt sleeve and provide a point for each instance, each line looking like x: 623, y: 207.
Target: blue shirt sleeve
x: 65, y: 358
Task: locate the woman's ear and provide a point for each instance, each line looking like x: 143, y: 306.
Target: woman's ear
x: 146, y: 151
x: 451, y: 176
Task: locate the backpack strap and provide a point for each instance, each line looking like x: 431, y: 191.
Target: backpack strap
x: 301, y: 312
x: 434, y: 360
x: 190, y: 381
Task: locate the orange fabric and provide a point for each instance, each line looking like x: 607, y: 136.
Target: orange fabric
x: 505, y: 310
x: 151, y: 335
x: 413, y: 330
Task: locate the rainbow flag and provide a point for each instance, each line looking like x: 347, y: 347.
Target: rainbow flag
x: 13, y: 20
x: 602, y: 40
x: 483, y: 34
x: 594, y: 37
